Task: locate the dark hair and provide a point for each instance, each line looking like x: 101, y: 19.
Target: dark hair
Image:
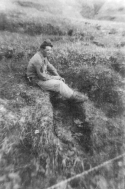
x: 46, y: 43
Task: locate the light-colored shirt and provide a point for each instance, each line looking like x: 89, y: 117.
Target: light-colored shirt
x: 38, y: 67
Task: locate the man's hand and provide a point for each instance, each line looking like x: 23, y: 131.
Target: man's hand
x: 58, y: 78
x: 62, y: 79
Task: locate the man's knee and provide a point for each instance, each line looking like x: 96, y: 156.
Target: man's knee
x: 61, y: 82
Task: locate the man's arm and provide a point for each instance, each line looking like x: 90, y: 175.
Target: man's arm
x: 44, y: 76
x: 52, y: 69
x: 41, y: 75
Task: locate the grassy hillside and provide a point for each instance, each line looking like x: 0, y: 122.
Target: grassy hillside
x: 71, y: 138
x: 112, y: 10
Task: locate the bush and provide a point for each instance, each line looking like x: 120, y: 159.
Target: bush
x: 100, y: 84
x: 94, y: 76
x: 30, y: 28
x: 70, y: 32
x: 117, y: 63
x: 113, y: 31
x: 5, y: 23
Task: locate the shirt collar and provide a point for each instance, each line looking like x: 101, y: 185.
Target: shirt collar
x: 44, y: 58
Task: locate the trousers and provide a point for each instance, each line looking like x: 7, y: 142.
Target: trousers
x: 57, y: 86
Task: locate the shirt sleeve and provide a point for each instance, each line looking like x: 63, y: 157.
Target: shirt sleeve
x: 52, y: 69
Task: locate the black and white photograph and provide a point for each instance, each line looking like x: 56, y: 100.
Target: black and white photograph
x: 62, y: 94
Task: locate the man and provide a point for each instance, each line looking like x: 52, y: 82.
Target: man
x: 37, y: 71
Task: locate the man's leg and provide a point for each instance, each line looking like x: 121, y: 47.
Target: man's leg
x: 57, y: 86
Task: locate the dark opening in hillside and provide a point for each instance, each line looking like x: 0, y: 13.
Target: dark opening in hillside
x: 71, y: 115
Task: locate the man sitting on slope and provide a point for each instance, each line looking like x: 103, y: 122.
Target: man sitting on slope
x: 37, y: 71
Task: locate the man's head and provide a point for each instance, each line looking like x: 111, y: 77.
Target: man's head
x: 46, y: 48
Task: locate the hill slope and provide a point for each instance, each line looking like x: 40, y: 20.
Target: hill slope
x: 112, y: 10
x: 44, y: 138
x: 93, y: 9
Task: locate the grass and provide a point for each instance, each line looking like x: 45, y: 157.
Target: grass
x: 31, y: 26
x: 29, y: 160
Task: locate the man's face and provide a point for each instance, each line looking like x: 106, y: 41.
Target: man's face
x: 47, y: 51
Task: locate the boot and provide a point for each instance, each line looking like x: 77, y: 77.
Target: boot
x: 78, y: 97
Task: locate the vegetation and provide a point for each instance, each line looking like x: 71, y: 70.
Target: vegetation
x: 29, y: 27
x: 44, y: 140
